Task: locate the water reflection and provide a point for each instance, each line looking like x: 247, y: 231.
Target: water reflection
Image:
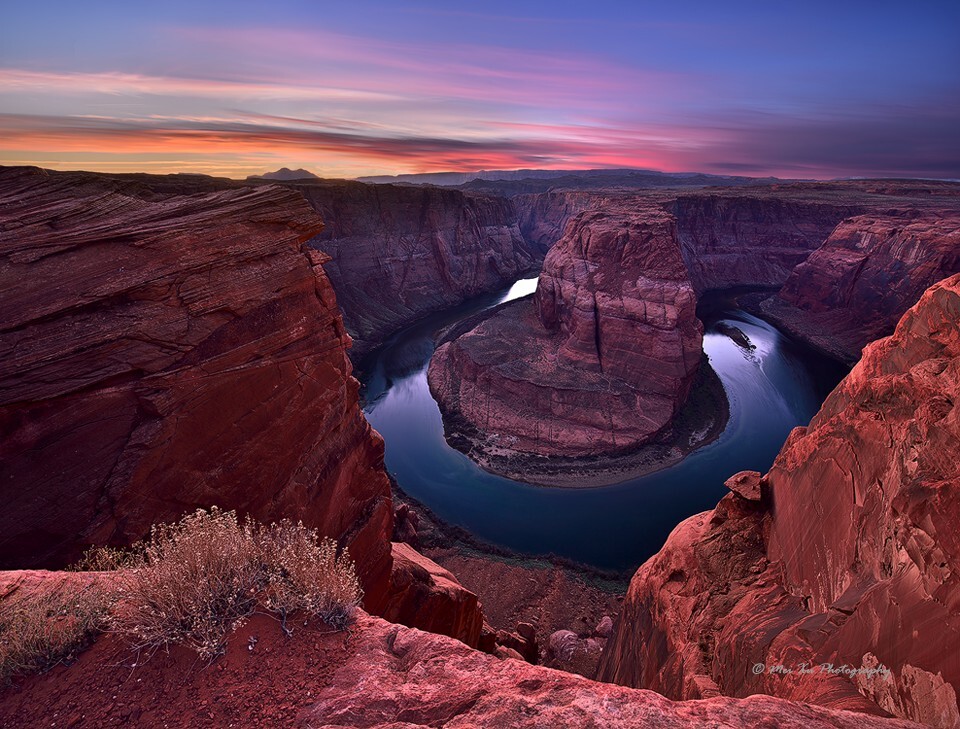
x: 771, y: 389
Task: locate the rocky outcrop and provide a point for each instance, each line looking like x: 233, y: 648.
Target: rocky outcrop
x: 755, y: 237
x: 425, y: 595
x: 871, y: 269
x: 598, y: 363
x: 849, y: 559
x: 163, y: 351
x: 400, y: 253
x: 543, y: 217
x: 375, y: 675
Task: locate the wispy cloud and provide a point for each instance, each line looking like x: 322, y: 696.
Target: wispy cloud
x: 351, y: 104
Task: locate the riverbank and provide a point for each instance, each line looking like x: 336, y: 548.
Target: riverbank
x: 548, y: 592
x: 700, y: 421
x: 770, y: 390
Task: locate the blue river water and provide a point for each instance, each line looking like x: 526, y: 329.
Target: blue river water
x: 771, y: 389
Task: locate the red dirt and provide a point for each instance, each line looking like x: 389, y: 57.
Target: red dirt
x: 109, y: 687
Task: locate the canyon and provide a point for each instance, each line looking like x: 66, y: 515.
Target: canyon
x: 844, y: 553
x: 855, y: 287
x: 174, y: 342
x: 603, y: 360
x: 598, y: 364
x: 398, y: 253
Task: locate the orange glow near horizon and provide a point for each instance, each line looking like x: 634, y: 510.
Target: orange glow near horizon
x: 242, y: 89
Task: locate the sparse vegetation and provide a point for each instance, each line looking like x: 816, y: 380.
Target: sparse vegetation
x: 39, y: 631
x: 190, y: 583
x: 109, y: 559
x: 199, y: 579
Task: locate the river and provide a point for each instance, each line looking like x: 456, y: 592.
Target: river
x: 771, y: 389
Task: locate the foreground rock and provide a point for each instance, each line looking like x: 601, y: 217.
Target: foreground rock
x: 376, y: 675
x: 425, y: 595
x: 849, y: 557
x: 165, y: 351
x: 602, y: 359
x: 400, y: 253
x: 870, y: 270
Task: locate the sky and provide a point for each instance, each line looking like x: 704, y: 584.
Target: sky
x: 793, y: 89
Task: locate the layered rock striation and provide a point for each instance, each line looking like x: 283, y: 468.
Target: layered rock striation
x: 543, y: 217
x: 598, y: 363
x: 869, y: 271
x: 845, y: 554
x: 165, y: 351
x: 400, y: 253
x: 753, y: 237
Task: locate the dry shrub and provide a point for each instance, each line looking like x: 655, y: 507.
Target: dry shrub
x: 40, y: 631
x: 199, y: 579
x: 305, y: 574
x: 109, y: 559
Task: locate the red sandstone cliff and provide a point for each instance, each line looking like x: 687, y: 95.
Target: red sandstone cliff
x: 845, y: 553
x: 544, y: 217
x: 872, y: 268
x: 400, y: 253
x: 755, y: 237
x: 171, y: 343
x: 165, y: 351
x: 602, y: 358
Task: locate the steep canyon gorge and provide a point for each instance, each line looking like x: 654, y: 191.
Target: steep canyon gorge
x: 191, y: 339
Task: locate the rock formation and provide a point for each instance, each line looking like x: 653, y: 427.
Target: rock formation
x: 544, y: 217
x: 848, y: 555
x: 169, y: 344
x: 375, y: 675
x: 871, y: 269
x: 599, y: 362
x: 753, y: 237
x: 425, y: 595
x: 166, y: 351
x: 400, y: 253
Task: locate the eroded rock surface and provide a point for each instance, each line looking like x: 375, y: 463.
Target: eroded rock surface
x: 599, y: 361
x: 425, y: 595
x: 869, y: 271
x: 754, y: 237
x: 400, y: 253
x: 850, y: 558
x: 164, y: 350
x: 375, y: 675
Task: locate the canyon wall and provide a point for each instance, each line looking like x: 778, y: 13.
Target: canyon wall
x: 160, y: 352
x: 872, y: 268
x: 543, y: 217
x: 845, y: 553
x: 602, y: 358
x: 400, y: 253
x: 753, y: 237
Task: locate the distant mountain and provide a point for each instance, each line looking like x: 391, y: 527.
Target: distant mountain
x: 512, y: 182
x: 285, y: 173
x: 450, y: 179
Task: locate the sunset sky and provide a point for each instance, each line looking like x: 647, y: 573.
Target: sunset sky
x: 794, y: 89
